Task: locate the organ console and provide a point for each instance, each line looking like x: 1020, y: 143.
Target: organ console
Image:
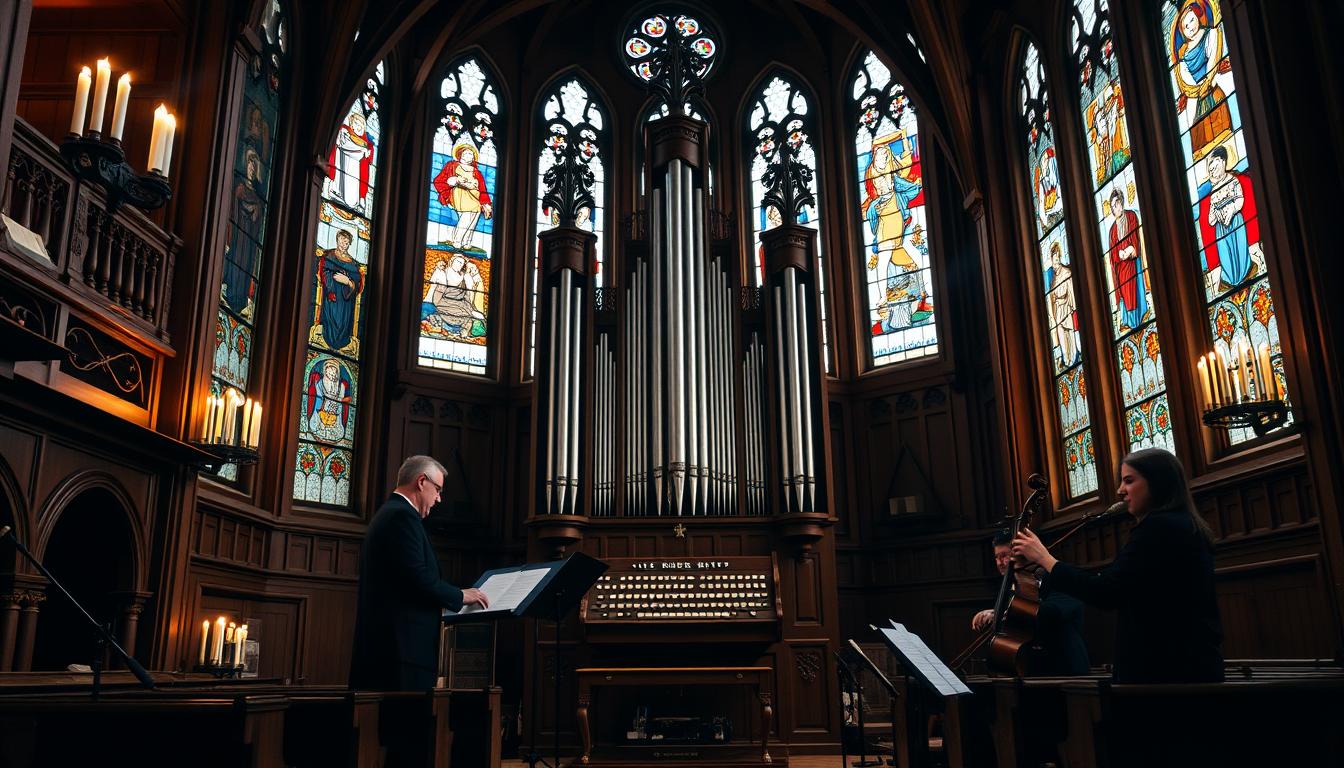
x: 738, y: 591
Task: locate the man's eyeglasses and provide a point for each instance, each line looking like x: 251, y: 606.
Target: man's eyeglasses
x: 437, y: 488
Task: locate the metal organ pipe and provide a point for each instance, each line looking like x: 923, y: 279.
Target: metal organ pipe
x: 560, y: 354
x: 805, y: 402
x: 550, y: 414
x: 573, y: 493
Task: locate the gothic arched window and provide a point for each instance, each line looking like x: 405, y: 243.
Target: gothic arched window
x: 1119, y: 217
x: 240, y: 293
x: 1238, y: 299
x: 1057, y: 284
x: 330, y: 384
x: 892, y: 216
x: 570, y: 112
x: 458, y: 268
x: 780, y: 111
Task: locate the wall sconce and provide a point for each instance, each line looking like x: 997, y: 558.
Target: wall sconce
x: 231, y: 430
x: 101, y: 160
x: 1243, y: 392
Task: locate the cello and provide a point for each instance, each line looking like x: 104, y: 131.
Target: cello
x: 1012, y: 637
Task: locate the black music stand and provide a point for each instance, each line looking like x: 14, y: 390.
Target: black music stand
x: 887, y: 684
x: 554, y: 595
x: 856, y: 689
x: 102, y: 633
x: 919, y: 659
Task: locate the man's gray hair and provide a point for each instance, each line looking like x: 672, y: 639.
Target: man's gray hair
x: 415, y: 466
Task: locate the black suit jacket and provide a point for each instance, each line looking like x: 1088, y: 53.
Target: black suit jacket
x: 1059, y: 629
x: 1161, y: 587
x: 401, y: 597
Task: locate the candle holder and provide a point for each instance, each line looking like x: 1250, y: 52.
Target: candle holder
x: 1262, y: 416
x: 226, y: 453
x: 222, y: 671
x: 103, y: 162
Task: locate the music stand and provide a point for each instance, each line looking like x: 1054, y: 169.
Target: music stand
x: 856, y: 688
x: 918, y: 658
x: 887, y: 684
x: 548, y: 595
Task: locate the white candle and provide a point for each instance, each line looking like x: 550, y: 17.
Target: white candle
x: 155, y: 162
x: 1204, y: 383
x: 1247, y: 369
x: 168, y: 144
x: 1236, y: 381
x: 229, y: 643
x: 217, y: 652
x: 81, y: 101
x: 209, y: 418
x: 240, y: 640
x: 254, y: 439
x: 205, y: 638
x: 100, y: 95
x: 247, y: 423
x: 119, y: 108
x: 1266, y: 371
x: 218, y: 433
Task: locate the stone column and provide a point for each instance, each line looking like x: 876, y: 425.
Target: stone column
x: 132, y: 604
x: 23, y: 656
x: 9, y: 628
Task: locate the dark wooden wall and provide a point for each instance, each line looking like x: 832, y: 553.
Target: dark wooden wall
x: 957, y: 433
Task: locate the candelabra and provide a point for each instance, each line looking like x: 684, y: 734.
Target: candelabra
x: 103, y: 162
x: 231, y: 432
x: 1243, y: 392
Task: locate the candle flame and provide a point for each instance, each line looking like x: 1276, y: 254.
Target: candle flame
x: 105, y: 63
x: 85, y: 72
x: 125, y: 78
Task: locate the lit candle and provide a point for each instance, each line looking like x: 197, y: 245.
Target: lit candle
x: 100, y: 95
x: 1204, y: 383
x: 254, y: 439
x: 1220, y: 375
x: 240, y: 640
x: 119, y: 108
x: 229, y: 643
x: 1236, y: 380
x: 1266, y: 370
x: 1212, y: 368
x: 205, y: 638
x: 1247, y: 369
x: 81, y: 101
x: 209, y: 418
x: 168, y: 144
x: 247, y: 423
x: 217, y: 652
x: 155, y: 162
x: 218, y: 432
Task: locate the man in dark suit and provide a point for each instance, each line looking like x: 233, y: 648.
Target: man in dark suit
x: 401, y: 594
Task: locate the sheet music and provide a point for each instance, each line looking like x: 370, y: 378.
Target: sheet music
x: 506, y: 591
x: 924, y: 660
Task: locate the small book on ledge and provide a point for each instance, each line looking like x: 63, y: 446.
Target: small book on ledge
x: 534, y: 590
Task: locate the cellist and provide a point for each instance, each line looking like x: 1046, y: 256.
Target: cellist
x: 1059, y: 634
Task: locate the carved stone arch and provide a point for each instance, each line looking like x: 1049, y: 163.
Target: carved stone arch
x: 71, y: 489
x: 12, y: 512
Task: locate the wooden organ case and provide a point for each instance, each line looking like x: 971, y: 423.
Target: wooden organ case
x: 681, y: 434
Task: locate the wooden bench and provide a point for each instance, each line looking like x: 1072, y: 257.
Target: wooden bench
x: 210, y: 732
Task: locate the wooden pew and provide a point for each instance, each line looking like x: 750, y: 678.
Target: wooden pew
x: 245, y: 731
x: 1282, y: 718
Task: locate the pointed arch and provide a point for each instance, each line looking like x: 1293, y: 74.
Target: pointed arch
x: 570, y: 103
x: 1118, y: 212
x: 1233, y: 262
x: 328, y: 393
x: 780, y: 106
x: 1054, y: 263
x: 895, y: 257
x: 244, y: 273
x: 468, y: 124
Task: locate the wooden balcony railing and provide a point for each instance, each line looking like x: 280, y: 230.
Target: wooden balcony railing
x: 115, y: 265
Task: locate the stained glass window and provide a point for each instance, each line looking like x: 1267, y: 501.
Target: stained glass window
x: 892, y: 216
x: 571, y: 112
x: 328, y: 394
x: 781, y: 112
x: 1135, y: 341
x: 1238, y: 298
x: 1057, y: 287
x: 460, y: 232
x: 249, y: 198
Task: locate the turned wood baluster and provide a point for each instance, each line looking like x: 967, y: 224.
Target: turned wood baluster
x: 121, y: 271
x: 105, y: 260
x: 93, y: 250
x: 48, y: 202
x: 9, y: 188
x: 27, y: 186
x: 141, y: 266
x: 152, y: 281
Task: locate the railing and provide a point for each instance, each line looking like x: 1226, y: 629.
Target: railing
x: 117, y: 265
x: 721, y: 226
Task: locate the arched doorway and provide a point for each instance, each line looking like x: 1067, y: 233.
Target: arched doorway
x: 91, y: 550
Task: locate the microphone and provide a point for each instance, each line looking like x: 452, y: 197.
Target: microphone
x: 1116, y: 509
x: 1036, y: 482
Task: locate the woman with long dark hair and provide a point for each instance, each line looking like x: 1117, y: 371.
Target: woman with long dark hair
x: 1161, y: 583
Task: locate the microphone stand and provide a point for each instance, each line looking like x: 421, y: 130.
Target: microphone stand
x: 102, y: 634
